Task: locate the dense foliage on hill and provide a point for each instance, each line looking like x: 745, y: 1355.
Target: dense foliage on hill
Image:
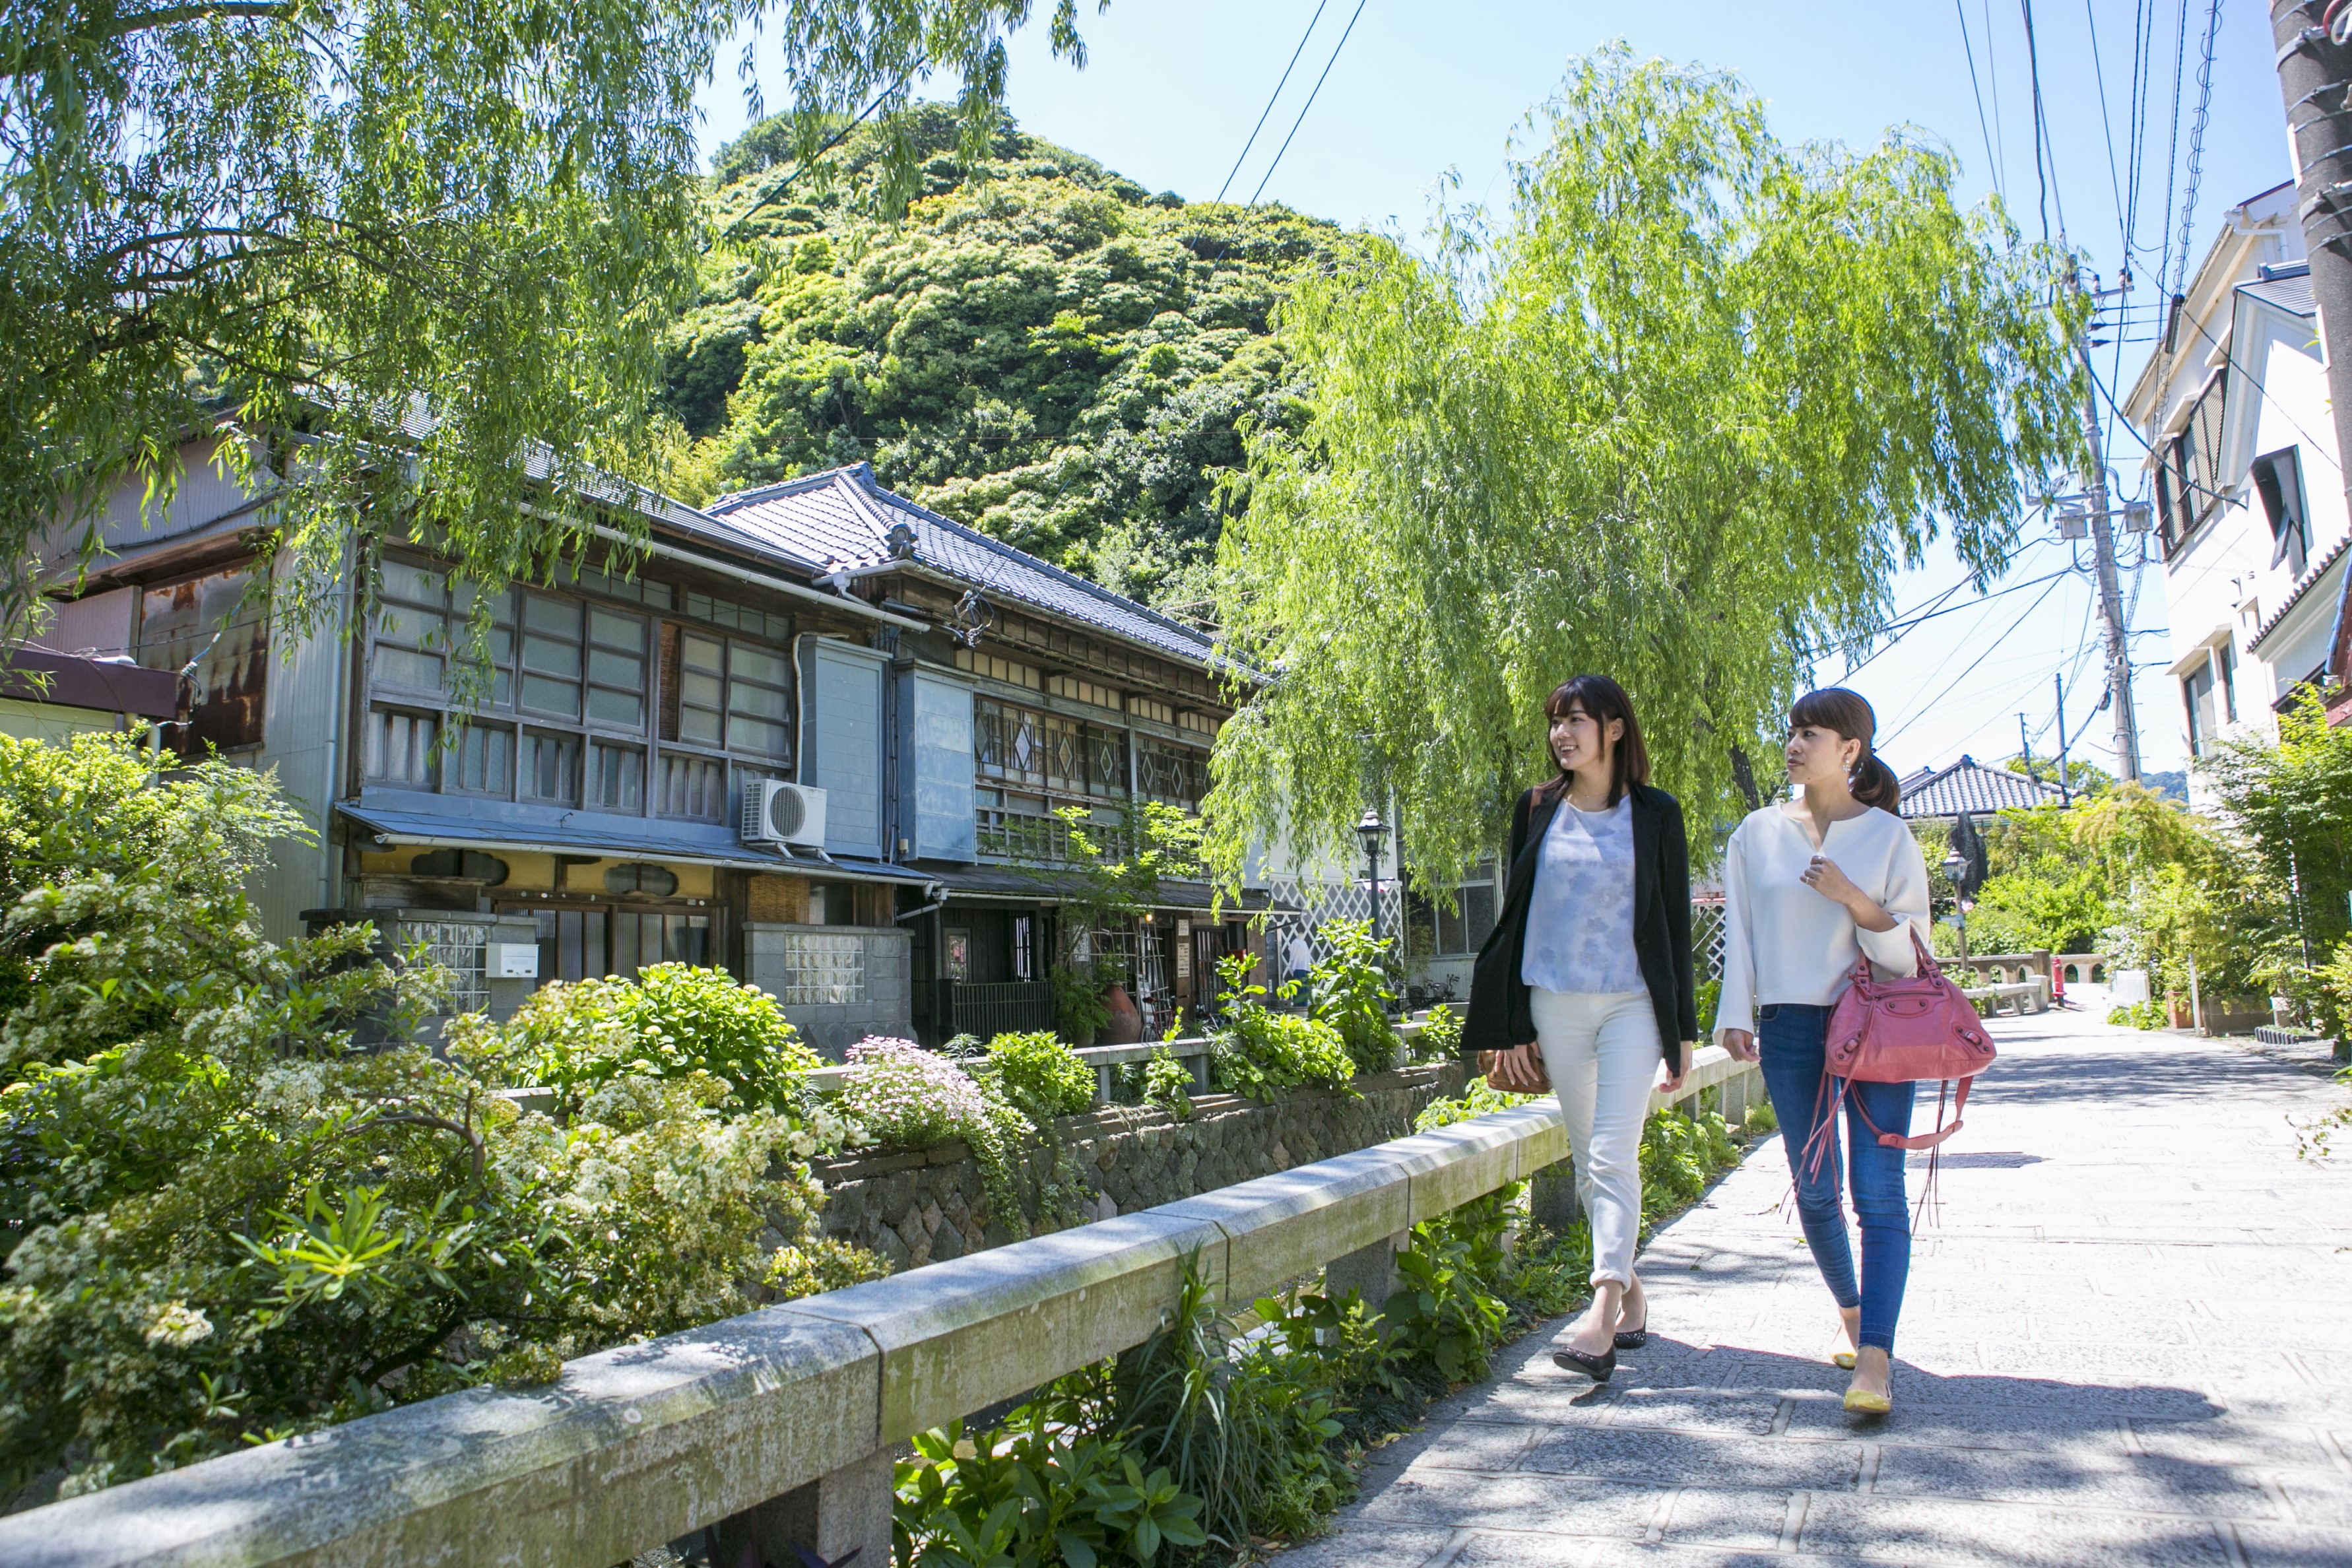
x: 1042, y: 348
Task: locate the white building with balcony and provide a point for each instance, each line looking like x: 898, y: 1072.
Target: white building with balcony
x: 2233, y: 409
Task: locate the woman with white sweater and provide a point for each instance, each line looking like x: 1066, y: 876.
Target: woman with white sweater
x: 1810, y: 887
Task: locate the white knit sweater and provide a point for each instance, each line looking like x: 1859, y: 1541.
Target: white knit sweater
x: 1783, y: 941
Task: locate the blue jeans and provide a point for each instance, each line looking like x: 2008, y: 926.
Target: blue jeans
x: 1789, y: 1037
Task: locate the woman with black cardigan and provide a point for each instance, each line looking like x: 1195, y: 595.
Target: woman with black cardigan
x: 1585, y: 984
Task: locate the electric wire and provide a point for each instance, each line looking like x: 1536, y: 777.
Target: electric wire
x: 1930, y: 706
x: 2196, y: 141
x: 1992, y: 81
x: 805, y: 165
x: 1303, y: 108
x: 1903, y: 628
x: 2040, y: 130
x: 1959, y: 9
x: 2172, y: 153
x: 1272, y: 97
x: 2106, y: 125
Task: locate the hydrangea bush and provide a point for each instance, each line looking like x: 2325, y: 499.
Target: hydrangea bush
x: 223, y: 1225
x: 672, y: 1020
x: 1040, y: 1075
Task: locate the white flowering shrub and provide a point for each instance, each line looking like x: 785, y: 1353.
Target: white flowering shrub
x: 905, y: 1097
x: 908, y: 1098
x: 220, y: 1224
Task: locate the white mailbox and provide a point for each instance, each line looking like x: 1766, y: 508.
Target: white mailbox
x: 513, y: 960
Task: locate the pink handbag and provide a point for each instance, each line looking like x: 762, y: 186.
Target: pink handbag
x: 1907, y: 1030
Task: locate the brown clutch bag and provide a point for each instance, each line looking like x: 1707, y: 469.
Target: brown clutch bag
x: 1543, y: 1078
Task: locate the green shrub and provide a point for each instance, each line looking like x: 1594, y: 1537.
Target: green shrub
x: 904, y: 1097
x: 1167, y: 1084
x: 1477, y: 1100
x: 1351, y: 994
x: 2139, y: 1015
x: 1710, y: 998
x: 1680, y: 1156
x: 1041, y: 1076
x: 673, y: 1020
x: 1260, y: 1051
x: 1445, y: 1312
x: 1080, y: 1005
x: 1042, y: 1487
x: 1439, y: 1039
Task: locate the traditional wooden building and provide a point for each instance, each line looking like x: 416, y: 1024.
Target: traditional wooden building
x: 814, y: 735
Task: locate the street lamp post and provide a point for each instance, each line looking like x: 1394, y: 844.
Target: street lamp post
x: 1956, y: 866
x: 1370, y: 831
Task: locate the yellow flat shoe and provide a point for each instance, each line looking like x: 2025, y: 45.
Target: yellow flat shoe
x: 1861, y: 1402
x: 1842, y: 1359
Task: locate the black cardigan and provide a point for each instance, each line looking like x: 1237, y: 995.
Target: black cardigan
x: 1499, y: 1017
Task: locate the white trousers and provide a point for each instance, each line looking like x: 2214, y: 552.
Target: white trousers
x: 1601, y: 1050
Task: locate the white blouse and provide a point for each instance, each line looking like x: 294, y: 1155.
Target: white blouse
x: 1581, y: 914
x: 1785, y: 942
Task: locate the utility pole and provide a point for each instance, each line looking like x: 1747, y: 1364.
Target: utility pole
x: 2025, y: 746
x: 2314, y: 71
x: 2065, y: 792
x: 2103, y: 554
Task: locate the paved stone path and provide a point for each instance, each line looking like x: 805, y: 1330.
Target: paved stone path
x: 2129, y: 1340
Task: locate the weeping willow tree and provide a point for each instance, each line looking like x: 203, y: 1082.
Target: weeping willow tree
x: 1679, y: 419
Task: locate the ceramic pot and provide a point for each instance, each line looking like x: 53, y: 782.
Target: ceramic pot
x: 1126, y: 1026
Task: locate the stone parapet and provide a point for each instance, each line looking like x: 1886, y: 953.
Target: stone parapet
x: 930, y: 1206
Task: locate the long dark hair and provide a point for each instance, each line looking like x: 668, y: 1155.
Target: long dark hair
x: 1602, y: 700
x: 1846, y: 713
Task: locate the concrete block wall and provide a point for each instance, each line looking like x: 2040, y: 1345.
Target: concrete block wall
x: 884, y: 1001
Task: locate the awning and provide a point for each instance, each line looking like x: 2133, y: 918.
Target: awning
x: 444, y: 822
x: 1014, y: 884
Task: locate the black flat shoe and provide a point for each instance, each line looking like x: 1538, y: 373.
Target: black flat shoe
x: 1633, y: 1338
x: 1596, y: 1367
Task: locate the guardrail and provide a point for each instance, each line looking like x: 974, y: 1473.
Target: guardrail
x: 2031, y: 996
x: 779, y: 1428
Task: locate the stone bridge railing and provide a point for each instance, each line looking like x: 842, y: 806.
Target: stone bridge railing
x: 779, y: 1428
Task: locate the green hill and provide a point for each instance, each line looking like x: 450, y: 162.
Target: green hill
x: 1041, y: 348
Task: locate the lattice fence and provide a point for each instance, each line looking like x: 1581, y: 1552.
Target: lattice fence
x: 1304, y: 907
x: 1706, y: 937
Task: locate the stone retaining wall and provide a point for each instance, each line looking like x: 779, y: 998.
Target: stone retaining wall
x: 930, y: 1206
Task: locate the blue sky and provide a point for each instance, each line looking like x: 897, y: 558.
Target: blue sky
x: 1170, y: 92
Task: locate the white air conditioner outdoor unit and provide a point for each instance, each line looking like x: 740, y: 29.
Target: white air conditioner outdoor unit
x: 775, y: 812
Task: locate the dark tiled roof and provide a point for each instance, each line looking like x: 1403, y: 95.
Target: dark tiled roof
x: 2311, y: 577
x: 2291, y: 293
x: 842, y: 518
x: 1968, y: 785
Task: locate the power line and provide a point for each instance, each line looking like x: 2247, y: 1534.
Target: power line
x: 1303, y: 108
x: 805, y: 165
x: 2041, y: 134
x: 1272, y: 97
x: 2107, y: 127
x: 1992, y: 79
x: 1904, y: 628
x: 2197, y: 141
x: 2172, y: 152
x: 1992, y: 168
x: 1971, y: 668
